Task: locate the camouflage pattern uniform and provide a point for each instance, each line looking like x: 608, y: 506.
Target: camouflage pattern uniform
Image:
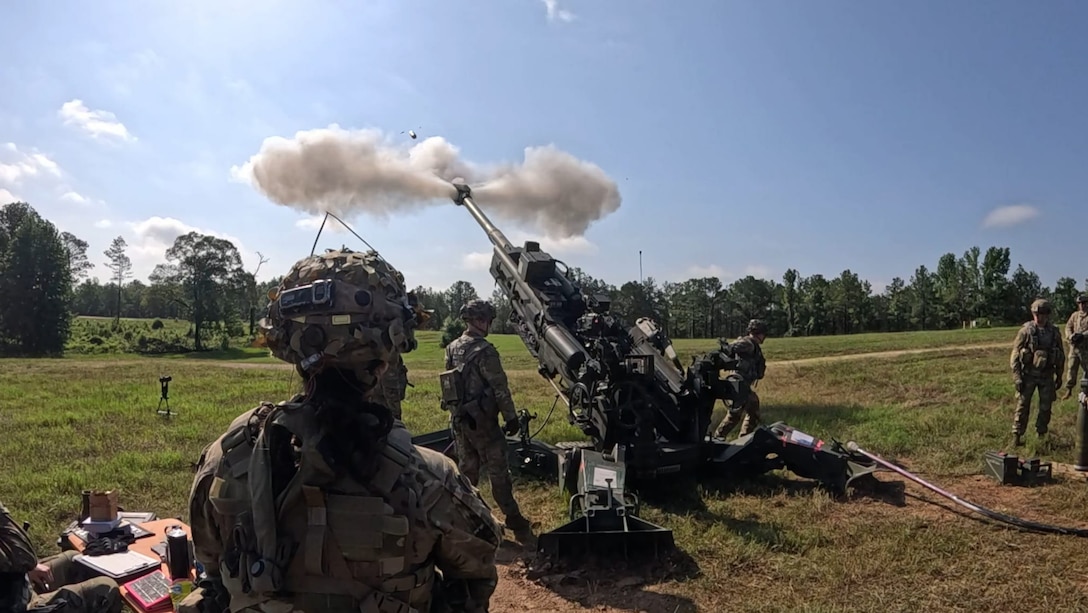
x: 280, y: 526
x: 1037, y: 362
x: 1076, y: 332
x: 392, y: 387
x: 74, y: 588
x: 751, y: 368
x: 474, y: 422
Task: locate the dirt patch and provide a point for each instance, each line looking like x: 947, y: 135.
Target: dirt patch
x: 800, y: 362
x: 528, y: 582
x: 883, y: 354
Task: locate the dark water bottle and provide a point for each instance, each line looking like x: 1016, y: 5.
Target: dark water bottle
x: 177, y: 553
x: 85, y: 510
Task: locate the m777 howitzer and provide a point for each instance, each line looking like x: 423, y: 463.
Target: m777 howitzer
x: 626, y: 389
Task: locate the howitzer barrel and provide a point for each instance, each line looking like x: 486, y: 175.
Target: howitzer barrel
x: 464, y: 198
x: 559, y: 339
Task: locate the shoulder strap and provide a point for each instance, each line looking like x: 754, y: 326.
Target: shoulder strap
x: 475, y: 350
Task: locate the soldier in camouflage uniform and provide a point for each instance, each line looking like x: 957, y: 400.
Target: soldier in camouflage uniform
x: 483, y: 395
x: 1076, y: 332
x: 322, y: 503
x: 1037, y: 362
x: 751, y: 368
x: 57, y: 583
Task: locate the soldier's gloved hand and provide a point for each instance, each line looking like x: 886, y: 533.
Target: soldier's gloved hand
x: 510, y: 427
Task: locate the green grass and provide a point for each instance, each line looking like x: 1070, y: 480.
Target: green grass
x: 774, y: 543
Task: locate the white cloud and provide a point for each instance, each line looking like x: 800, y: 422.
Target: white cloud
x: 97, y: 123
x: 76, y: 197
x: 103, y: 223
x: 312, y: 224
x: 572, y: 245
x: 477, y: 260
x: 557, y: 248
x: 1011, y: 215
x: 7, y: 197
x: 153, y: 236
x: 24, y: 165
x: 555, y: 13
x: 707, y: 271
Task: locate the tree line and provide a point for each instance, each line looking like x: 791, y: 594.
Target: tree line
x: 45, y: 276
x: 975, y: 289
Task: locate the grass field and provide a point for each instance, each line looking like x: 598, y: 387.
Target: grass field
x: 769, y: 545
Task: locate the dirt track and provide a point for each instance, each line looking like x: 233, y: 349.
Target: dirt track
x: 800, y: 362
x: 882, y: 354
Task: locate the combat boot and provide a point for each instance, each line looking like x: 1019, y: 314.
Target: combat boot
x: 1017, y: 439
x: 522, y: 528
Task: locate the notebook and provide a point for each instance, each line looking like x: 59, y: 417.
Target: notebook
x: 119, y: 565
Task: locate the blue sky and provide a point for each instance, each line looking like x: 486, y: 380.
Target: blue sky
x: 745, y: 137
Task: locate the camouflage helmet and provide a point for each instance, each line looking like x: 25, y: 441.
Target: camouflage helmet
x: 1041, y: 306
x: 477, y: 309
x: 757, y: 326
x: 1082, y: 299
x: 341, y: 308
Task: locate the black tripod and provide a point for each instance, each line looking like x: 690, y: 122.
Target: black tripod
x: 165, y: 398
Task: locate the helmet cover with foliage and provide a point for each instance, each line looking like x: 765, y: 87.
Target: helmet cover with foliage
x: 757, y: 326
x: 341, y: 308
x: 477, y: 309
x: 1041, y: 306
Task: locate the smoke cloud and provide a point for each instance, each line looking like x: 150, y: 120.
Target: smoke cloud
x: 363, y: 171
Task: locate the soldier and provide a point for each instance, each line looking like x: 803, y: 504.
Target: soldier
x: 27, y: 584
x: 322, y: 503
x: 475, y: 391
x: 751, y: 368
x: 1037, y: 362
x: 1076, y: 332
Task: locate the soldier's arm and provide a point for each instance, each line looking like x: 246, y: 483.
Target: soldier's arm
x: 16, y: 550
x: 449, y: 358
x: 207, y: 546
x: 470, y: 534
x: 744, y: 348
x: 490, y: 366
x: 1059, y: 368
x: 1018, y: 343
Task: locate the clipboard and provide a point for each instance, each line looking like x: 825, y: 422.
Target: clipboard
x: 119, y: 565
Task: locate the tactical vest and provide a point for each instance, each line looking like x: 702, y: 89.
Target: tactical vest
x: 1043, y: 350
x: 16, y: 551
x: 326, y: 542
x: 452, y: 381
x: 749, y: 368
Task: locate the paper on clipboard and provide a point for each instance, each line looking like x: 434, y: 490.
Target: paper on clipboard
x: 118, y: 565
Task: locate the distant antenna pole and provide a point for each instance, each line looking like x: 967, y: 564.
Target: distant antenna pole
x: 640, y: 266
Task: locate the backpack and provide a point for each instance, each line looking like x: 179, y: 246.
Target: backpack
x: 452, y: 382
x: 260, y: 559
x: 16, y: 551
